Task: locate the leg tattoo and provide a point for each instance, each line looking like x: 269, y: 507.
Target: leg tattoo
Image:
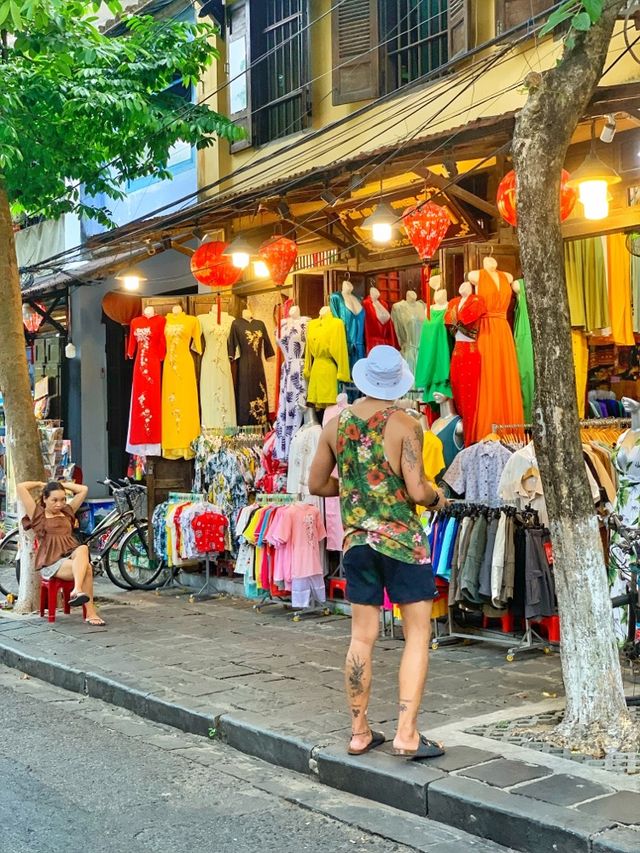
x: 355, y: 676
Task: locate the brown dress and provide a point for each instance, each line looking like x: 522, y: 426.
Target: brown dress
x: 55, y: 535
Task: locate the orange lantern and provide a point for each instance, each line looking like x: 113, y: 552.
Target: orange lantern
x: 426, y: 226
x: 506, y: 197
x: 32, y: 319
x: 121, y: 307
x: 213, y: 269
x: 279, y: 255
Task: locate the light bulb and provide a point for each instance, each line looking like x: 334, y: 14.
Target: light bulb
x: 70, y: 350
x: 381, y: 232
x: 240, y: 260
x: 260, y: 269
x: 130, y: 282
x: 594, y: 196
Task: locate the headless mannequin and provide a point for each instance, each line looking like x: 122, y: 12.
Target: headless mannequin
x: 324, y: 311
x: 411, y: 296
x: 381, y: 311
x: 247, y: 314
x: 440, y: 301
x: 309, y: 417
x: 465, y: 292
x: 447, y: 412
x: 352, y: 302
x: 632, y: 436
x: 177, y: 309
x: 149, y: 312
x: 294, y: 313
x: 490, y: 266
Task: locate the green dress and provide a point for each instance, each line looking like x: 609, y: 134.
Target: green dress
x: 524, y: 351
x: 434, y: 358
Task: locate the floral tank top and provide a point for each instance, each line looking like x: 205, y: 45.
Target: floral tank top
x: 375, y: 506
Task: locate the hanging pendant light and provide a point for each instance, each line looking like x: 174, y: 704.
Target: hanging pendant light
x: 240, y: 251
x: 381, y: 223
x: 592, y: 180
x: 131, y: 278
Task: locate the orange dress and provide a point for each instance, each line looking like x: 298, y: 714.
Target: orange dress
x: 499, y: 396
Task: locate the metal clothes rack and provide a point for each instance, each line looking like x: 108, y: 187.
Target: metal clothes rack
x: 172, y: 583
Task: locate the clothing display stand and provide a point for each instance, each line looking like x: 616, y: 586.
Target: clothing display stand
x: 172, y: 583
x: 204, y: 593
x: 516, y: 644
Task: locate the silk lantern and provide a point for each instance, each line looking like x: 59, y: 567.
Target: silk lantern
x: 279, y: 254
x: 213, y: 269
x: 121, y: 307
x: 426, y: 226
x: 32, y: 319
x: 506, y: 198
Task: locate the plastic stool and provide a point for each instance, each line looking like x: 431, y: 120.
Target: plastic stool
x: 49, y: 597
x: 507, y: 622
x: 337, y: 589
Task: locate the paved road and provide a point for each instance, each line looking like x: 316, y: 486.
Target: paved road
x: 81, y: 776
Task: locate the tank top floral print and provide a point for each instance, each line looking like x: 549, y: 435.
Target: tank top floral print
x: 375, y: 506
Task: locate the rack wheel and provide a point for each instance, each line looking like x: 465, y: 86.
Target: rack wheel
x: 511, y: 657
x: 326, y: 612
x: 192, y: 599
x: 296, y: 619
x: 435, y: 645
x: 547, y: 650
x: 257, y: 608
x: 157, y: 592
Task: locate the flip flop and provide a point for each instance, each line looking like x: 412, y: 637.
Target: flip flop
x: 96, y: 621
x: 377, y: 739
x: 426, y: 749
x: 78, y: 600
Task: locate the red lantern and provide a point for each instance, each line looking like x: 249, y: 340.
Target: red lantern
x: 426, y: 226
x: 210, y: 267
x: 121, y: 307
x: 32, y: 319
x: 279, y: 254
x: 506, y: 197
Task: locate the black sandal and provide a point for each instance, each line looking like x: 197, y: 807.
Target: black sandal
x: 377, y: 739
x: 426, y: 749
x: 78, y: 600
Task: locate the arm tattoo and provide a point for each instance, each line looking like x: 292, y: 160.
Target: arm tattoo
x: 355, y: 676
x: 411, y: 451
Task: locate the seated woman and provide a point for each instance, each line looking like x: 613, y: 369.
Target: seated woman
x: 59, y: 553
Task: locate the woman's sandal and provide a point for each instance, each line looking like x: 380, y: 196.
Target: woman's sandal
x: 78, y: 600
x: 96, y: 621
x: 377, y: 739
x: 426, y: 749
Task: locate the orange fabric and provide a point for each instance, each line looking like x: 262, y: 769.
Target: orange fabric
x: 499, y: 397
x: 619, y: 281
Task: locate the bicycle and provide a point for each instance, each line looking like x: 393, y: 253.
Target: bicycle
x: 122, y: 533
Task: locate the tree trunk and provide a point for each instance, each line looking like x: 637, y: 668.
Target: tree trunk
x: 23, y: 438
x: 596, y: 717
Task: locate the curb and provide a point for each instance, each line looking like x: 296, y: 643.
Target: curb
x: 425, y: 791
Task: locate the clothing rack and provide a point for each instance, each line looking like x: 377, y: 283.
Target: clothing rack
x: 172, y: 582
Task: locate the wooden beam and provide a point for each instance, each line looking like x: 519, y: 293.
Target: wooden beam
x: 459, y: 192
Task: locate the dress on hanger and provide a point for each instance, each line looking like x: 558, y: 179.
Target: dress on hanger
x: 408, y: 319
x: 326, y: 360
x: 463, y: 319
x: 303, y: 449
x: 332, y: 515
x: 180, y: 407
x: 499, y: 397
x: 145, y: 417
x: 432, y: 369
x: 627, y: 463
x: 217, y: 397
x: 293, y: 387
x: 375, y: 332
x: 353, y: 324
x: 252, y: 339
x: 524, y: 351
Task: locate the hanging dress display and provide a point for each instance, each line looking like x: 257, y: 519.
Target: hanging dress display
x: 293, y: 386
x: 500, y: 397
x: 432, y: 369
x: 408, y: 319
x: 251, y: 339
x: 145, y: 417
x: 353, y: 324
x: 180, y: 407
x: 326, y: 360
x: 376, y: 331
x: 217, y: 397
x: 524, y: 351
x: 627, y: 462
x: 463, y: 319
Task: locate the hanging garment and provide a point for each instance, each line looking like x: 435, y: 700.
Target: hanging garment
x: 635, y: 287
x: 476, y: 472
x: 217, y: 396
x: 433, y: 455
x: 524, y: 351
x: 434, y: 357
x: 408, y: 319
x: 180, y: 407
x: 447, y: 433
x: 627, y: 462
x: 271, y: 477
x: 586, y: 278
x: 580, y: 349
x: 326, y: 360
x: 376, y: 332
x: 252, y: 340
x: 500, y: 397
x: 353, y: 324
x: 293, y: 386
x: 301, y: 453
x: 619, y: 281
x: 332, y: 517
x: 462, y: 317
x: 146, y: 335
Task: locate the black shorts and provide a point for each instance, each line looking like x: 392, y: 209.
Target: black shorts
x: 369, y: 573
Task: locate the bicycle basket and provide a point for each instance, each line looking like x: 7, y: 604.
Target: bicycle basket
x: 138, y: 500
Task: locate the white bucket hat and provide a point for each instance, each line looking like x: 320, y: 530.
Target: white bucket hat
x: 383, y: 374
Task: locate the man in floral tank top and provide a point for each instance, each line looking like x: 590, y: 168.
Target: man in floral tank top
x: 378, y: 449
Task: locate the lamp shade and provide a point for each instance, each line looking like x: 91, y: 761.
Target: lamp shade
x: 279, y: 254
x: 213, y: 269
x: 506, y: 199
x: 121, y: 307
x: 426, y: 226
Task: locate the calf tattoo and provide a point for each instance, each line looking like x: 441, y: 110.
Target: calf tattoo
x: 355, y: 676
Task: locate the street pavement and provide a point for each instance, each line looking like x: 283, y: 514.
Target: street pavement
x: 78, y: 776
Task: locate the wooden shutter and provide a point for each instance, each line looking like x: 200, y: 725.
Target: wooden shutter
x: 355, y: 50
x: 458, y: 25
x: 239, y: 51
x: 511, y: 13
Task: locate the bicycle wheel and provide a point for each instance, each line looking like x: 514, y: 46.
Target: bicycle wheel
x: 136, y: 566
x: 10, y: 563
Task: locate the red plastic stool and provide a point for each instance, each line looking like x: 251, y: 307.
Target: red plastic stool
x: 507, y: 622
x: 337, y: 589
x: 49, y: 597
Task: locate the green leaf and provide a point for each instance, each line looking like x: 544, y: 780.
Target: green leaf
x: 593, y: 9
x: 16, y: 15
x: 562, y: 14
x: 581, y: 22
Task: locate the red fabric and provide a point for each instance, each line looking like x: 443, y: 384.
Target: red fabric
x: 375, y: 332
x: 208, y: 530
x: 147, y: 336
x: 465, y: 384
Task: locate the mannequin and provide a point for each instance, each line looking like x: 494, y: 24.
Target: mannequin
x: 408, y: 317
x: 294, y: 312
x: 292, y: 342
x: 347, y: 307
x: 177, y: 309
x: 326, y: 358
x: 247, y: 314
x: 448, y: 427
x: 249, y: 338
x: 411, y: 296
x: 217, y: 396
x: 149, y: 312
x: 303, y: 448
x: 378, y: 328
x: 440, y: 301
x: 180, y: 409
x: 309, y: 417
x: 500, y: 393
x: 380, y: 308
x: 324, y: 311
x: 148, y: 343
x: 432, y: 367
x: 352, y: 302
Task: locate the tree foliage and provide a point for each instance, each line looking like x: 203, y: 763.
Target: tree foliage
x: 73, y: 99
x: 581, y: 15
